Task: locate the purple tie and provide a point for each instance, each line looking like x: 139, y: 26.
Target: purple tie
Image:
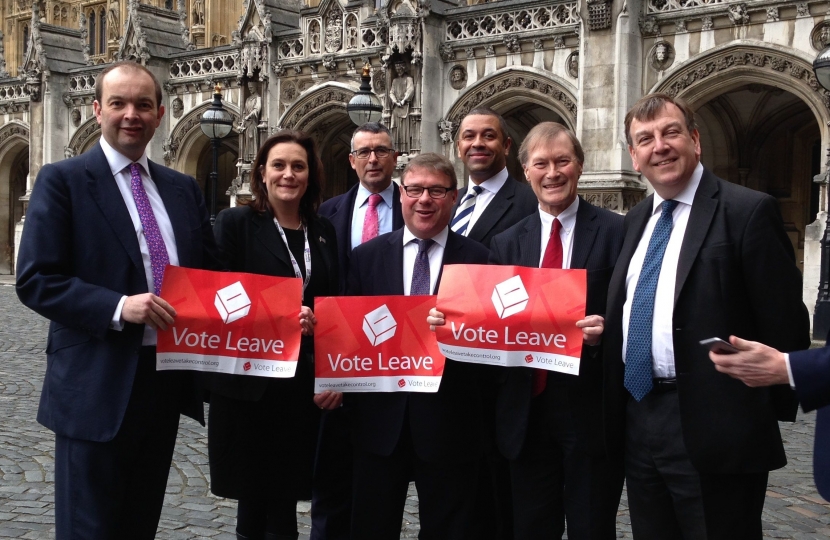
x: 155, y: 243
x: 420, y: 272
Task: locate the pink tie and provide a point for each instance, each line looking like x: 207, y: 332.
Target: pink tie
x: 155, y: 243
x: 552, y: 259
x: 370, y: 221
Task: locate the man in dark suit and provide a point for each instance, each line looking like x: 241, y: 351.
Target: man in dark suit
x: 697, y: 262
x: 808, y: 372
x: 433, y: 438
x: 549, y: 424
x: 369, y: 209
x: 492, y: 202
x: 99, y: 231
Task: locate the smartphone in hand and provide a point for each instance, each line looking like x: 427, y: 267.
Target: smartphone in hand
x: 718, y: 345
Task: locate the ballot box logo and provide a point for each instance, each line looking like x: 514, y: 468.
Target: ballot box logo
x: 510, y: 297
x: 529, y: 358
x: 232, y: 302
x: 401, y: 383
x: 246, y: 366
x: 379, y: 325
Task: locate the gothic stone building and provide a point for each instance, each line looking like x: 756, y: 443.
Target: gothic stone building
x: 744, y: 65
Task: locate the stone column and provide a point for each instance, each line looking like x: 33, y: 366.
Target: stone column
x: 610, y: 82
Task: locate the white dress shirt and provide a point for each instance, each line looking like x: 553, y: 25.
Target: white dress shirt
x: 566, y: 233
x: 435, y: 254
x: 361, y: 203
x: 120, y: 167
x: 489, y: 187
x: 662, y: 344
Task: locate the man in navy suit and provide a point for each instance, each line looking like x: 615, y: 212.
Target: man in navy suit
x: 99, y: 231
x: 434, y: 439
x: 548, y: 424
x: 373, y: 158
x: 808, y: 372
x: 492, y: 202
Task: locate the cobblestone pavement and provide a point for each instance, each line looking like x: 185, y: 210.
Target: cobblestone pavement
x: 793, y: 508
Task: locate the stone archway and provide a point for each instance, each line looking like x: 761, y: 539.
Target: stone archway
x: 321, y: 112
x: 763, y: 120
x: 14, y: 168
x: 85, y: 137
x: 524, y: 97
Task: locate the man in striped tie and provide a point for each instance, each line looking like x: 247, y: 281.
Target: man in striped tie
x: 100, y: 229
x: 697, y: 262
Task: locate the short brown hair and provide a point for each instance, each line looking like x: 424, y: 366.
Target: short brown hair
x: 432, y: 162
x: 487, y: 111
x: 310, y: 200
x: 544, y: 132
x: 651, y: 104
x: 128, y: 65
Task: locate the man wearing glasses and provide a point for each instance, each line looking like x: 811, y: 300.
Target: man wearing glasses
x: 434, y: 439
x: 370, y: 208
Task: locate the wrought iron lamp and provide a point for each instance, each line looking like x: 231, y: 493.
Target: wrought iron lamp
x: 364, y: 105
x: 216, y: 123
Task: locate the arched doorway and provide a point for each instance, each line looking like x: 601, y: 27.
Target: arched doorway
x: 14, y: 168
x: 226, y: 169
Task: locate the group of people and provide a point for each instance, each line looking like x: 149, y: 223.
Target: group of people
x: 496, y: 453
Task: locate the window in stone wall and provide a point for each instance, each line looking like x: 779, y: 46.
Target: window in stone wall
x: 25, y: 45
x: 93, y: 37
x: 102, y: 31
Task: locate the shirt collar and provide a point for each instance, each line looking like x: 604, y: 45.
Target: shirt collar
x: 387, y: 194
x: 687, y: 195
x: 118, y: 161
x: 440, y: 238
x: 567, y: 217
x: 493, y: 184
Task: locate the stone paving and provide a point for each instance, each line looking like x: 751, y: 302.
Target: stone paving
x: 793, y: 508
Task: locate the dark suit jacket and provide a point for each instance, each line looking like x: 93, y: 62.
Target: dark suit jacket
x: 811, y: 374
x: 339, y: 211
x: 513, y: 202
x: 249, y: 242
x: 78, y: 256
x: 444, y: 425
x: 736, y: 275
x: 598, y: 236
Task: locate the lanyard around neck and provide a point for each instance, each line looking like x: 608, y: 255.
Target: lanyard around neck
x: 306, y: 255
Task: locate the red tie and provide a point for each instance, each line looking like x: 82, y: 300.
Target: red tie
x: 370, y: 221
x: 552, y: 259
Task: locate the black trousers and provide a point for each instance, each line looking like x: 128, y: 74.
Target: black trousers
x: 115, y: 489
x: 331, y: 500
x: 446, y: 495
x: 554, y: 477
x: 667, y: 497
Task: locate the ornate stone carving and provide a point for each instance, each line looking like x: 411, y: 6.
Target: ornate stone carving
x: 649, y: 26
x: 177, y: 107
x: 350, y: 64
x: 3, y: 72
x: 352, y: 31
x: 772, y: 14
x: 289, y: 92
x: 75, y: 116
x: 113, y: 20
x: 447, y: 128
x: 707, y: 23
x: 400, y: 102
x: 558, y: 42
x: 738, y: 14
x: 489, y: 50
x: 329, y: 62
x: 314, y: 37
x: 252, y: 58
x: 599, y: 14
x: 538, y: 44
x: 802, y: 9
x: 572, y: 64
x: 334, y: 29
x: 278, y: 69
x: 820, y: 36
x: 317, y: 103
x: 512, y: 44
x: 298, y: 69
x: 447, y: 52
x: 470, y: 52
x: 458, y: 77
x: 680, y: 26
x: 249, y: 124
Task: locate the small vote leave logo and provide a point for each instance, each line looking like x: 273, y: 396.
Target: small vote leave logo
x: 379, y: 325
x: 401, y: 383
x: 232, y: 302
x: 246, y: 366
x: 529, y: 358
x: 509, y: 297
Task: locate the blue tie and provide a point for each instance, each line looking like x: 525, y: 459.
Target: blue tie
x: 638, y: 374
x: 420, y: 272
x: 464, y: 213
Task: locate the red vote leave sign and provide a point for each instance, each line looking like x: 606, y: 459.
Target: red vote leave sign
x: 230, y: 322
x: 375, y: 344
x: 512, y: 316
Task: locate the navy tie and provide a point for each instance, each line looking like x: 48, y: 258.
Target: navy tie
x: 464, y: 214
x: 638, y: 362
x: 420, y: 272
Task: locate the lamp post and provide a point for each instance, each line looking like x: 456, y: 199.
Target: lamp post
x: 364, y: 105
x: 216, y: 123
x: 821, y: 317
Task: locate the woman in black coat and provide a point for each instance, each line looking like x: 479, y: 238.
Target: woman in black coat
x: 262, y: 432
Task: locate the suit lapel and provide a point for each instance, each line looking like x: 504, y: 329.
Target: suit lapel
x: 585, y: 232
x: 171, y: 196
x: 530, y: 242
x: 700, y: 218
x: 266, y: 233
x: 393, y: 271
x: 498, y: 206
x: 105, y: 193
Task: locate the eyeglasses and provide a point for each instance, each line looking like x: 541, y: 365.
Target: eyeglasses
x: 436, y: 192
x: 380, y: 152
